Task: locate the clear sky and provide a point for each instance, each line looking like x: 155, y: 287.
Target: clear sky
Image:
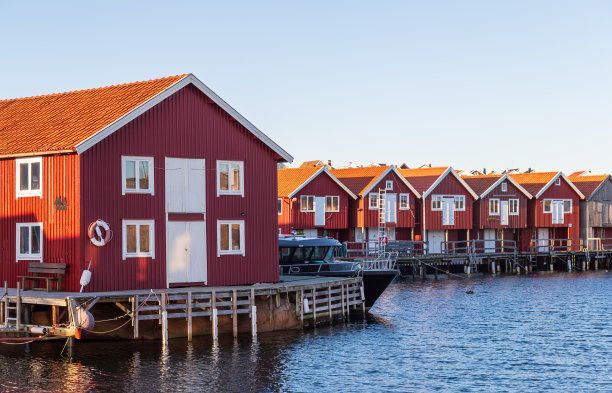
x: 471, y: 84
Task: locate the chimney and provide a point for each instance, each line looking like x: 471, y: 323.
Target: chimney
x: 484, y: 170
x: 329, y: 163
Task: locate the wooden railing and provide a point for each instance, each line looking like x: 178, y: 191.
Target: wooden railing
x: 479, y: 246
x: 555, y: 245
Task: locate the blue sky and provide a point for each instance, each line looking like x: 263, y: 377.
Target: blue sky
x: 470, y: 84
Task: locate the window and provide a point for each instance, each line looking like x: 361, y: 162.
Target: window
x: 404, y: 201
x: 567, y: 206
x: 230, y: 237
x: 504, y: 187
x: 389, y: 184
x: 138, y: 239
x: 558, y: 181
x: 332, y: 203
x: 514, y: 207
x: 137, y: 175
x: 373, y: 200
x: 230, y: 178
x: 29, y: 241
x: 307, y: 203
x: 459, y: 202
x: 280, y: 206
x: 547, y: 206
x: 436, y: 202
x: 28, y: 177
x: 494, y: 207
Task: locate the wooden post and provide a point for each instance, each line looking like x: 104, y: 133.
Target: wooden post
x: 164, y: 319
x: 348, y: 302
x: 302, y: 306
x: 235, y: 313
x: 18, y: 316
x: 252, y: 301
x: 135, y: 315
x: 215, y: 328
x: 213, y: 303
x: 362, y: 300
x: 254, y: 320
x: 4, y: 310
x: 329, y: 308
x: 189, y: 317
x: 342, y: 300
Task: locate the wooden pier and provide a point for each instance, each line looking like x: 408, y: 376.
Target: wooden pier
x: 294, y: 302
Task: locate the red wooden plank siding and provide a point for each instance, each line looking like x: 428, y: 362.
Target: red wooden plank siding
x: 405, y: 218
x: 482, y: 218
x: 61, y: 228
x: 463, y: 219
x: 320, y: 186
x: 186, y: 125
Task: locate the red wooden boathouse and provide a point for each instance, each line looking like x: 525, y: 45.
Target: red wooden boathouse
x: 500, y: 212
x: 399, y: 204
x: 186, y: 185
x: 553, y: 213
x: 446, y: 205
x: 595, y: 209
x: 313, y: 202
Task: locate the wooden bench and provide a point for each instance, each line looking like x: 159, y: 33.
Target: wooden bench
x: 35, y: 268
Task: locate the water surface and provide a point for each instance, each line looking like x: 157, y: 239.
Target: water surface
x: 514, y: 334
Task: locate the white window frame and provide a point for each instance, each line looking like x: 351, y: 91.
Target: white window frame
x: 544, y: 206
x: 461, y: 199
x: 510, y: 201
x: 230, y: 252
x: 436, y: 200
x: 337, y: 197
x: 279, y: 202
x: 407, y: 196
x: 370, y: 200
x: 27, y: 193
x: 304, y: 206
x: 558, y: 181
x: 504, y: 187
x: 571, y: 206
x: 229, y: 190
x: 389, y: 185
x: 494, y: 207
x: 29, y: 256
x: 138, y: 254
x: 150, y: 162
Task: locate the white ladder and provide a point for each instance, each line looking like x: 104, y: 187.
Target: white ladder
x: 382, y: 220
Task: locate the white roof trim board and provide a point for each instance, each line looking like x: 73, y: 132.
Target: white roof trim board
x: 189, y: 79
x: 402, y: 178
x: 511, y: 180
x: 442, y: 176
x: 317, y: 173
x: 560, y: 174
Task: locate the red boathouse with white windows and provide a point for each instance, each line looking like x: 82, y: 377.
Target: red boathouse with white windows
x: 369, y: 183
x: 185, y: 185
x: 446, y: 205
x: 500, y: 212
x: 554, y: 212
x: 313, y: 202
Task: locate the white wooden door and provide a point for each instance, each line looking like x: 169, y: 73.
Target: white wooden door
x: 489, y: 240
x: 391, y: 207
x: 435, y: 239
x: 504, y: 210
x: 448, y: 211
x: 319, y: 211
x: 557, y: 212
x: 186, y: 251
x: 185, y: 181
x: 543, y: 239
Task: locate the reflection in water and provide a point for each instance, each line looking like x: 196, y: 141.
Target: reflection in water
x: 548, y: 333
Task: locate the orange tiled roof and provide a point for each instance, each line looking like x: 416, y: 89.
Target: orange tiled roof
x: 587, y: 184
x: 533, y: 182
x: 290, y: 179
x: 422, y: 178
x: 481, y: 183
x: 59, y: 122
x: 360, y: 179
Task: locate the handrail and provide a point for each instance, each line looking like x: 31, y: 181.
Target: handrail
x: 479, y: 246
x: 552, y: 245
x: 599, y: 243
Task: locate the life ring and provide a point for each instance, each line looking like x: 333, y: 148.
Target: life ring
x: 95, y: 233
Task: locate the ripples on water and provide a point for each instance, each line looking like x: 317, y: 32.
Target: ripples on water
x: 548, y: 333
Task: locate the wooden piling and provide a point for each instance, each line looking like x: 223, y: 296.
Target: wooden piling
x: 234, y: 314
x: 164, y: 318
x: 314, y: 306
x: 18, y: 316
x: 135, y: 305
x: 215, y: 327
x: 302, y: 306
x: 329, y: 305
x: 254, y: 321
x: 189, y: 316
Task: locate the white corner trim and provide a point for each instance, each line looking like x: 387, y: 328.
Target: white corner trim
x: 175, y: 87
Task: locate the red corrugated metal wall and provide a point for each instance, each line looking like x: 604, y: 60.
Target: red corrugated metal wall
x: 186, y: 125
x: 405, y: 218
x: 463, y: 219
x: 482, y: 218
x: 321, y: 186
x: 60, y: 227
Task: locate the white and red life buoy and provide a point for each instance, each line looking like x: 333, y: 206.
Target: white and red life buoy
x: 95, y: 233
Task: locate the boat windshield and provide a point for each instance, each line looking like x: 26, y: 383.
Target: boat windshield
x: 319, y: 254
